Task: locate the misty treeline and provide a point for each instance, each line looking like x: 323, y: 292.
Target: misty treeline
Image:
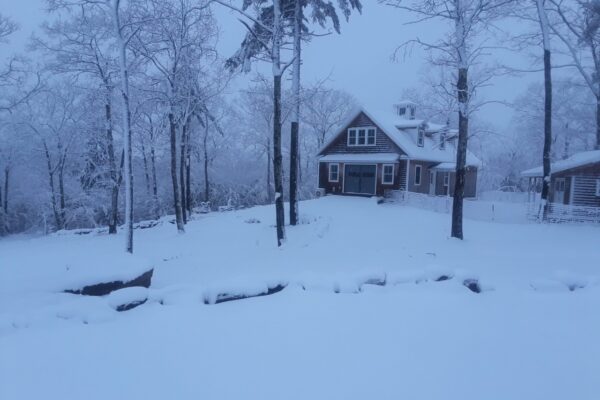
x: 62, y: 139
x: 124, y: 110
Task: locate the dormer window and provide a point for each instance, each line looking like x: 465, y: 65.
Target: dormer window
x: 442, y: 140
x: 421, y: 137
x: 406, y: 110
x: 361, y: 136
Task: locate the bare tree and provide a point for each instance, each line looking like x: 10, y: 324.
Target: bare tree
x: 460, y: 51
x: 80, y: 46
x: 545, y: 31
x: 179, y: 37
x: 265, y: 41
x: 579, y: 30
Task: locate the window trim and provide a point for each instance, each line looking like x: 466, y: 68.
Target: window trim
x: 420, y: 175
x: 442, y: 141
x: 356, y: 130
x: 447, y: 179
x: 420, y: 137
x: 383, y: 181
x: 337, y: 172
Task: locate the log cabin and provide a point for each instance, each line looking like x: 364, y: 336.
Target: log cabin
x: 573, y: 181
x: 377, y: 153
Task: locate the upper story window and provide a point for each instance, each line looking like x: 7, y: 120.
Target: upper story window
x: 421, y: 137
x: 361, y: 137
x: 442, y: 140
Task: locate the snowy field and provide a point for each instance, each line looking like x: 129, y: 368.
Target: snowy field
x: 531, y: 334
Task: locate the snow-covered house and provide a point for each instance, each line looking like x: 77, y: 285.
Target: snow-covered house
x: 573, y: 181
x: 377, y: 152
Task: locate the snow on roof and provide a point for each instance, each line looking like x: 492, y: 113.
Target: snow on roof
x: 576, y: 160
x: 445, y: 166
x: 371, y: 157
x: 409, y: 123
x: 393, y: 126
x: 430, y: 151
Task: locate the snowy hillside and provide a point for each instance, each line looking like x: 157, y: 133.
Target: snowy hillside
x: 376, y: 305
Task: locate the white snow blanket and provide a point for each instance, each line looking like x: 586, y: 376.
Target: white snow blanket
x: 374, y: 307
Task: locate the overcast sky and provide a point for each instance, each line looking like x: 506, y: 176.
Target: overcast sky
x: 358, y: 61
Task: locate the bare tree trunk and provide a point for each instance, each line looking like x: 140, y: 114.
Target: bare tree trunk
x: 154, y: 181
x: 4, y: 202
x: 295, y: 128
x: 61, y: 191
x: 176, y: 199
x: 57, y: 219
x: 547, y: 133
x: 188, y: 175
x: 114, y: 197
x: 146, y: 169
x: 269, y: 161
x: 461, y: 153
x: 6, y: 180
x: 278, y: 161
x: 119, y: 183
x: 545, y: 30
x: 597, y: 123
x: 182, y: 173
x: 126, y: 126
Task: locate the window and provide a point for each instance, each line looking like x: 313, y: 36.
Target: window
x: 421, y: 137
x: 387, y: 178
x: 417, y: 175
x: 447, y: 183
x: 371, y: 137
x: 412, y: 112
x: 598, y: 187
x: 431, y: 175
x: 559, y: 185
x: 361, y: 137
x: 402, y: 111
x: 334, y: 172
x: 351, y: 137
x: 442, y: 140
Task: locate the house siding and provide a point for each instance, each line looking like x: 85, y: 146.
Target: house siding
x: 383, y: 144
x: 338, y: 187
x: 583, y: 182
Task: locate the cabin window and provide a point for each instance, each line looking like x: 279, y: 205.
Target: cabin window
x: 421, y: 137
x: 334, y: 172
x: 559, y: 185
x: 418, y: 169
x: 361, y: 136
x: 598, y: 187
x: 447, y: 183
x: 387, y: 178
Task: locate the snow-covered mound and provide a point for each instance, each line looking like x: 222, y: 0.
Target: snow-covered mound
x: 364, y: 300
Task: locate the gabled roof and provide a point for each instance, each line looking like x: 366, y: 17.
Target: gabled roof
x: 575, y: 161
x: 361, y: 157
x: 394, y: 128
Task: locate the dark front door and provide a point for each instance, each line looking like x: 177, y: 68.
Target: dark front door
x: 360, y: 179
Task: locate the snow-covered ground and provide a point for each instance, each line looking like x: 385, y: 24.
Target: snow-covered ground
x: 531, y: 334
